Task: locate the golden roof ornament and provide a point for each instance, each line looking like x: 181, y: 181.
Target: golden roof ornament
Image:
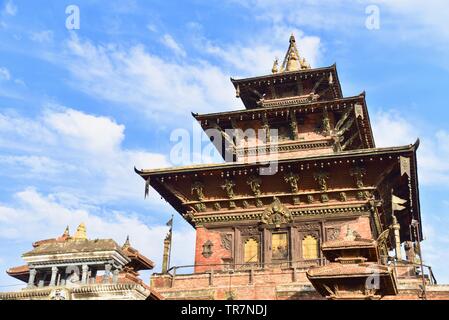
x: 127, y: 243
x: 275, y: 68
x: 292, y: 61
x: 81, y: 233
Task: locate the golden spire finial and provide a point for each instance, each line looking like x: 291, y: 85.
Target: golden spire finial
x: 127, y: 243
x: 275, y: 68
x: 293, y: 61
x: 81, y: 233
x: 292, y: 38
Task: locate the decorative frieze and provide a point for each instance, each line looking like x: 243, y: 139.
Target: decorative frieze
x: 332, y: 234
x: 324, y: 198
x: 290, y: 147
x: 310, y: 199
x: 200, y: 207
x: 325, y: 212
x: 249, y: 231
x: 226, y: 241
x: 308, y: 227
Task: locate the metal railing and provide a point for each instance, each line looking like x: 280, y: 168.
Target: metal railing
x: 416, y: 267
x: 249, y: 268
x: 234, y: 267
x: 293, y: 265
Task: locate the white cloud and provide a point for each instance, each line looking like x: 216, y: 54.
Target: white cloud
x: 418, y: 19
x: 4, y: 74
x: 256, y: 56
x: 10, y: 8
x: 25, y: 219
x: 87, y: 132
x: 37, y: 165
x: 390, y: 129
x: 146, y: 82
x: 170, y: 43
x: 83, y: 153
x: 45, y: 36
x: 91, y: 169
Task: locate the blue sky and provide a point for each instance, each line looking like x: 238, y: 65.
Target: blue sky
x: 80, y: 108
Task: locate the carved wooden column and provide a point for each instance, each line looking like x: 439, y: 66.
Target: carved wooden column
x: 115, y: 274
x: 397, y: 238
x: 238, y: 257
x: 266, y: 249
x: 32, y: 277
x: 54, y: 273
x: 107, y: 272
x: 85, y: 270
x: 294, y: 241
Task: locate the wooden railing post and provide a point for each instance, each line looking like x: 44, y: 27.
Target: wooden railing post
x: 173, y: 277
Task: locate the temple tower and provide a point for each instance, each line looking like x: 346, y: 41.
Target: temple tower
x: 301, y: 169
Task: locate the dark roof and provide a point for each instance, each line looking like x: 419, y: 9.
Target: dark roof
x: 138, y: 260
x: 21, y: 272
x: 346, y: 270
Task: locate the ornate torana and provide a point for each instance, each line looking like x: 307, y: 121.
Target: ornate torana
x: 276, y: 214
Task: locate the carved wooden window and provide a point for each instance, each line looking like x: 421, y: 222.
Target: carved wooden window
x: 279, y: 246
x: 251, y: 251
x: 309, y: 248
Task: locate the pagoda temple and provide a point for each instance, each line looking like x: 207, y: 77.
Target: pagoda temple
x: 76, y: 268
x: 304, y: 206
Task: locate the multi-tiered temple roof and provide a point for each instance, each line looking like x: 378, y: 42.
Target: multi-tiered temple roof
x: 300, y: 167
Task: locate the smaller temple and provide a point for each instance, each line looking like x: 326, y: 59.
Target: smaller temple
x: 354, y: 272
x: 75, y: 268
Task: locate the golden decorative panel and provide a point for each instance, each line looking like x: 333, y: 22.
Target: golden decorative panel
x: 279, y: 246
x: 309, y: 248
x: 251, y: 251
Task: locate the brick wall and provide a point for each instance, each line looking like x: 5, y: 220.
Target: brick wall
x: 218, y: 251
x: 267, y: 285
